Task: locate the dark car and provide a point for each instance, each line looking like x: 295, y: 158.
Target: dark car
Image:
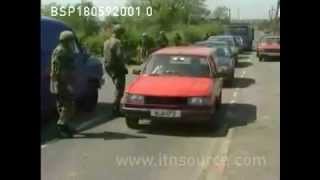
x: 232, y: 42
x: 88, y: 74
x: 245, y: 30
x: 223, y: 56
x: 225, y: 64
x: 213, y: 43
x: 240, y: 43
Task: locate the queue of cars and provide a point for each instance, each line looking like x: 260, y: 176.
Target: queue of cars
x: 176, y: 83
x: 182, y: 84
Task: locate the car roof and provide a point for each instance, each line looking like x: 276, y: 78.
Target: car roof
x: 271, y: 36
x: 46, y: 19
x: 186, y: 50
x: 224, y: 36
x: 217, y: 41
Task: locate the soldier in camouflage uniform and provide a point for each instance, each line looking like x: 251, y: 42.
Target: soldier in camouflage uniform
x: 206, y: 37
x: 115, y: 65
x: 163, y: 40
x: 146, y: 44
x: 177, y: 39
x: 62, y: 66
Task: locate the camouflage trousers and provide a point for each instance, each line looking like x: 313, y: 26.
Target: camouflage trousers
x: 118, y: 76
x: 120, y: 83
x: 65, y: 105
x: 143, y: 53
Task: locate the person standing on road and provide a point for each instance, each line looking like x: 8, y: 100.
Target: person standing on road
x: 206, y: 37
x: 62, y: 66
x: 146, y: 44
x: 163, y: 40
x: 177, y: 39
x: 115, y: 65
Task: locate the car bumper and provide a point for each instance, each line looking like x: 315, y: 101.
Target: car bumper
x: 269, y: 54
x: 187, y: 115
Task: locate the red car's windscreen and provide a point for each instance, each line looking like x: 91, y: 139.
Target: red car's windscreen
x: 181, y: 65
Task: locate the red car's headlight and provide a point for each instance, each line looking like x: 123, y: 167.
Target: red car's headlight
x: 199, y: 101
x: 134, y: 99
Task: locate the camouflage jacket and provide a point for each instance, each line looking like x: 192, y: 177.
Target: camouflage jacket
x: 113, y: 56
x: 163, y: 41
x: 62, y: 66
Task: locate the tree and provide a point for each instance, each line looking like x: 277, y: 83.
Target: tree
x: 221, y: 13
x: 171, y: 12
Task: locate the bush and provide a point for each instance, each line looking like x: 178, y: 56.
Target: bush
x: 94, y: 44
x: 189, y: 33
x: 192, y: 33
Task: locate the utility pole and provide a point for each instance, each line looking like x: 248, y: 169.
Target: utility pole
x: 277, y: 11
x: 270, y: 13
x: 277, y: 17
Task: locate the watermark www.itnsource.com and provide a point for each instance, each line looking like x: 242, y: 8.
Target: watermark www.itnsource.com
x: 165, y: 160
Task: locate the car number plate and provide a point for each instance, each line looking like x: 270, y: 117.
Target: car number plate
x: 165, y: 113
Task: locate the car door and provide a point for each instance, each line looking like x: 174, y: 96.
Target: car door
x: 216, y: 80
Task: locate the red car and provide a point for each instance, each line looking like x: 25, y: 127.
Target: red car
x: 269, y: 46
x: 176, y: 84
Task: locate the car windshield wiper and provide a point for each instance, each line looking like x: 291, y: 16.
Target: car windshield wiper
x: 154, y: 74
x: 173, y: 73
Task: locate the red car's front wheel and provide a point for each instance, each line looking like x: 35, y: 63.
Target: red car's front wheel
x: 133, y: 123
x: 219, y: 101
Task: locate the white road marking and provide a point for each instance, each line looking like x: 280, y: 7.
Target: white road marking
x: 216, y: 170
x: 235, y: 94
x: 243, y: 73
x: 237, y: 89
x: 265, y: 117
x: 232, y: 101
x: 43, y: 146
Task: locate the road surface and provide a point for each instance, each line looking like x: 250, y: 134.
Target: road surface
x: 245, y: 147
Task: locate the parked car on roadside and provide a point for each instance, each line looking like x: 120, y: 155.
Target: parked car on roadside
x: 88, y: 73
x: 225, y: 64
x: 223, y: 56
x: 231, y: 40
x: 240, y: 43
x: 176, y: 84
x: 269, y: 46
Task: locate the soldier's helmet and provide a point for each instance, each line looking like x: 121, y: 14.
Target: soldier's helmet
x: 66, y: 35
x: 144, y: 34
x: 118, y: 29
